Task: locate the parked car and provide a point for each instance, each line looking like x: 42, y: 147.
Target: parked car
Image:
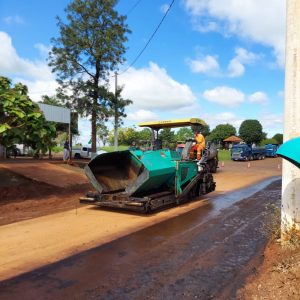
x: 17, y: 150
x: 84, y: 152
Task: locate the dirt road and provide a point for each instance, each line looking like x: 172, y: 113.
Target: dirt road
x: 51, y: 238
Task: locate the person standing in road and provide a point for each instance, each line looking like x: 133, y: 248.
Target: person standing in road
x: 66, y: 155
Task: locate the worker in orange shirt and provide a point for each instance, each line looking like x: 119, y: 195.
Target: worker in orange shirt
x: 199, y: 146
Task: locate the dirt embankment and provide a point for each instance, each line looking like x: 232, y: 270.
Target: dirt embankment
x: 279, y: 275
x: 29, y: 190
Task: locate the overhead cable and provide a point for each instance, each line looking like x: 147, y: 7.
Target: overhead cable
x: 133, y: 7
x: 150, y: 39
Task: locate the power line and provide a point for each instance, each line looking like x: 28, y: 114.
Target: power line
x: 150, y: 39
x: 133, y: 7
x: 146, y: 45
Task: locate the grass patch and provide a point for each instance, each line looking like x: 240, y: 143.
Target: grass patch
x: 57, y: 149
x: 112, y: 148
x: 224, y: 155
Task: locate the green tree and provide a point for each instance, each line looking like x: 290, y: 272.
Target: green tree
x: 125, y: 137
x: 251, y: 131
x: 205, y: 130
x: 268, y: 141
x: 90, y: 46
x: 102, y: 132
x: 278, y: 137
x: 221, y: 132
x: 130, y: 135
x: 117, y: 107
x: 183, y: 134
x: 144, y: 136
x: 21, y: 120
x: 51, y: 100
x: 168, y: 137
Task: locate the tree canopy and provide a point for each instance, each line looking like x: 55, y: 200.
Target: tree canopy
x: 168, y: 138
x: 251, y: 131
x: 268, y: 141
x: 21, y: 120
x: 221, y: 132
x: 102, y: 132
x: 117, y: 107
x: 90, y: 46
x: 205, y: 130
x: 278, y: 137
x: 183, y: 134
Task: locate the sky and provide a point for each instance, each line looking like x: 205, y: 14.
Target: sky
x: 218, y: 60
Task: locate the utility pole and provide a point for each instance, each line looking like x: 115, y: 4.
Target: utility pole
x: 116, y: 114
x: 290, y: 211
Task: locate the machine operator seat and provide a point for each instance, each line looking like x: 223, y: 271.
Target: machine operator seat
x: 157, y: 145
x: 185, y: 155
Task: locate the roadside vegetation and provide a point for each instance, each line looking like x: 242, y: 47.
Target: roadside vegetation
x: 224, y: 155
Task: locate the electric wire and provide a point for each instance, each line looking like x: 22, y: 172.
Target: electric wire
x: 146, y: 45
x: 149, y: 40
x: 133, y: 7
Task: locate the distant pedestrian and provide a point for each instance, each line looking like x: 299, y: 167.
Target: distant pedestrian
x: 15, y: 151
x: 66, y: 151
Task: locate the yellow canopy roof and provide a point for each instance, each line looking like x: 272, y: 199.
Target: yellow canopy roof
x: 173, y: 123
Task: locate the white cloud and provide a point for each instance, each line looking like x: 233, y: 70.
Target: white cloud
x: 11, y: 64
x: 271, y: 123
x: 38, y: 88
x: 35, y: 74
x: 223, y: 118
x: 260, y: 21
x: 153, y: 88
x: 236, y: 65
x: 193, y: 110
x: 43, y: 50
x: 207, y: 65
x: 13, y: 20
x: 259, y: 98
x: 84, y: 126
x: 207, y: 27
x: 225, y: 96
x: 142, y: 115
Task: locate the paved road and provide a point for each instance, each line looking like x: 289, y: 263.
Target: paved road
x: 203, y: 254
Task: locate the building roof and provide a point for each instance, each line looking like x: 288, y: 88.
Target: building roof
x: 232, y: 139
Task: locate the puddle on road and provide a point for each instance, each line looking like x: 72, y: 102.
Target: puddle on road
x: 229, y: 198
x: 213, y: 205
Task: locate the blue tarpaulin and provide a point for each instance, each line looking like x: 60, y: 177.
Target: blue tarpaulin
x: 290, y: 150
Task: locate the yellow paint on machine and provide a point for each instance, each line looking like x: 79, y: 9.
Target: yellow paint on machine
x: 172, y: 123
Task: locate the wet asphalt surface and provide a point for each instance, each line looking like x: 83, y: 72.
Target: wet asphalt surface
x: 204, y: 254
